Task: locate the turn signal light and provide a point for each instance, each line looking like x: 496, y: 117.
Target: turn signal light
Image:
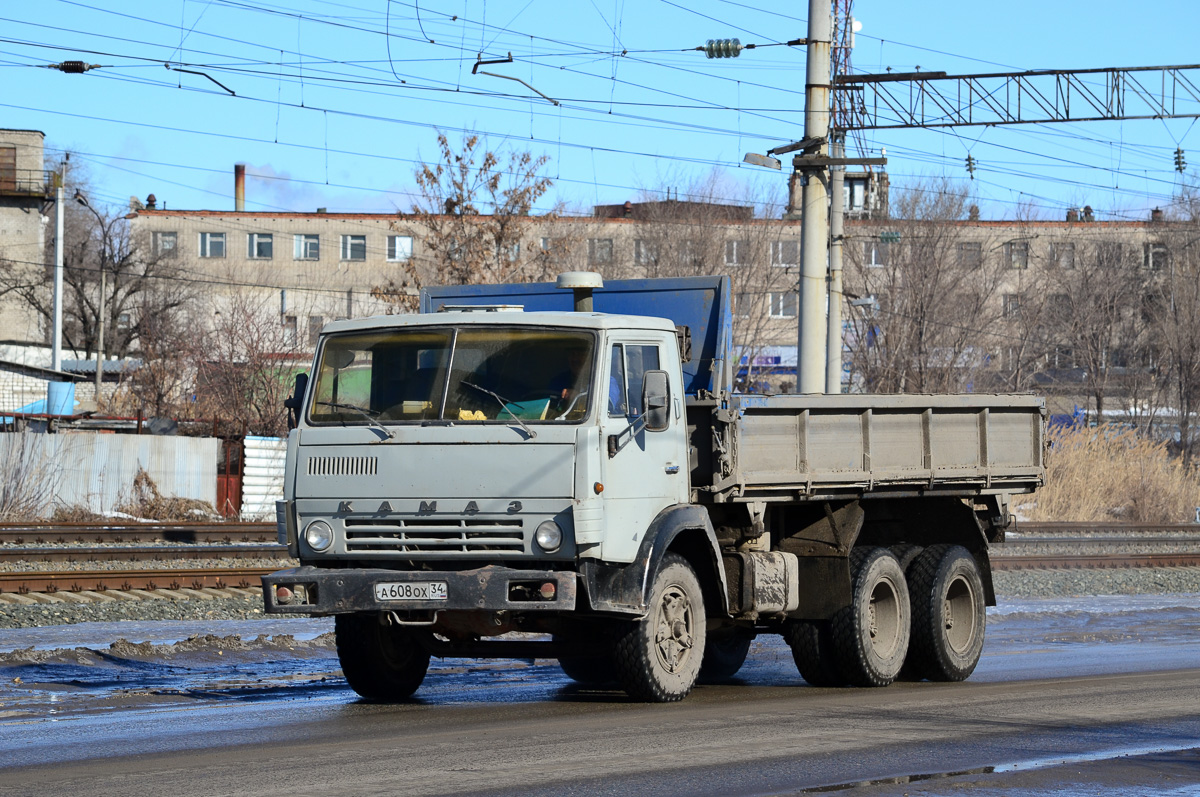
x: 598, y: 487
x: 548, y: 591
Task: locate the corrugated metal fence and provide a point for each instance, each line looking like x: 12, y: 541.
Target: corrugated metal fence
x: 262, y: 477
x: 96, y: 471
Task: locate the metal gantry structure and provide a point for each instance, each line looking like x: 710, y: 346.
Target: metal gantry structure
x: 935, y: 99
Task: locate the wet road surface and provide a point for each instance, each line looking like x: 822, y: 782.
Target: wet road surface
x: 1071, y: 697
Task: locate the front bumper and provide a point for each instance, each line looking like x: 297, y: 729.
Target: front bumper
x: 492, y: 588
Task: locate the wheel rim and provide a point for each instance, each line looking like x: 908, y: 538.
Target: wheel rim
x: 884, y: 619
x: 674, y: 638
x: 960, y: 615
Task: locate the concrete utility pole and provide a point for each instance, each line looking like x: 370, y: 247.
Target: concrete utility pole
x: 814, y: 226
x: 833, y: 353
x: 56, y: 320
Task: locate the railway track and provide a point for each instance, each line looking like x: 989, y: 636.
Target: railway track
x: 99, y: 533
x: 155, y: 552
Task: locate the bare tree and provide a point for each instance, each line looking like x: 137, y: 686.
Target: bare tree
x: 246, y: 364
x: 475, y: 208
x: 1098, y: 313
x: 929, y: 297
x: 1172, y: 307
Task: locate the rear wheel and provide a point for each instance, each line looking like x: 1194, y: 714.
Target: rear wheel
x: 812, y: 649
x: 381, y: 663
x: 948, y: 614
x: 658, y: 657
x: 725, y: 652
x: 870, y: 636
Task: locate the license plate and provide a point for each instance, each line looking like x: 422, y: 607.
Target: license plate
x: 411, y: 591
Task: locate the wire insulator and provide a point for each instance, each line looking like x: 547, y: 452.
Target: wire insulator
x: 723, y: 48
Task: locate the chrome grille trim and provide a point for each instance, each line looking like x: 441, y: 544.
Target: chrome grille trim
x: 435, y: 537
x: 343, y: 466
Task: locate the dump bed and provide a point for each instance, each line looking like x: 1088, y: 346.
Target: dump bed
x: 762, y: 447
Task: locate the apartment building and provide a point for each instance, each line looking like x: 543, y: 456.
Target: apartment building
x: 26, y: 191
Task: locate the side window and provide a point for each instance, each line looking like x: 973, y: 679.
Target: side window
x: 616, y: 381
x: 630, y: 362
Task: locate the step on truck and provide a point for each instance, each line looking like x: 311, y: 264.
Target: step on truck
x: 564, y: 471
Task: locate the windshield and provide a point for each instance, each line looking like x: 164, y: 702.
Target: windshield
x: 489, y: 373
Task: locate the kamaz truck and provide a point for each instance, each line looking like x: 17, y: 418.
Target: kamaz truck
x: 565, y: 471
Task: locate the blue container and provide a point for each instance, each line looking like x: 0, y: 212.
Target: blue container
x: 60, y: 398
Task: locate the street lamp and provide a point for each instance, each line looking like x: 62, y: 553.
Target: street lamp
x: 81, y: 199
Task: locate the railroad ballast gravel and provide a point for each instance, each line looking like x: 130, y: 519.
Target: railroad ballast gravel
x: 1022, y: 584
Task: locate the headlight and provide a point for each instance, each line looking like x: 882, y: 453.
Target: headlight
x: 318, y: 535
x: 548, y: 536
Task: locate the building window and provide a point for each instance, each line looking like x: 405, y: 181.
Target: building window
x: 399, y: 247
x: 1154, y: 256
x: 1058, y: 306
x: 165, y: 244
x: 784, y: 305
x: 307, y: 247
x: 260, y: 245
x: 1017, y: 254
x: 315, y: 323
x: 1062, y: 254
x: 508, y: 252
x: 289, y: 330
x: 854, y: 196
x: 737, y: 253
x: 1109, y: 254
x: 970, y: 254
x: 877, y: 254
x: 785, y: 253
x: 600, y: 251
x: 354, y: 247
x: 645, y: 253
x: 1012, y: 305
x: 212, y: 244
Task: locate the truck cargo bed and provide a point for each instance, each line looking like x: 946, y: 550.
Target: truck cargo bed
x: 791, y: 446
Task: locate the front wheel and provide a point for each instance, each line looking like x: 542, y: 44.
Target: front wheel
x: 948, y: 613
x: 381, y: 663
x: 870, y: 636
x: 658, y: 657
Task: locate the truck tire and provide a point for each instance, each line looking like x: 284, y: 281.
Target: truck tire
x: 948, y: 617
x: 381, y: 663
x: 725, y: 652
x: 658, y: 656
x: 870, y: 636
x: 905, y: 553
x: 812, y: 649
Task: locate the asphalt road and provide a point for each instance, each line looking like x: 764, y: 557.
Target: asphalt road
x: 1039, y: 718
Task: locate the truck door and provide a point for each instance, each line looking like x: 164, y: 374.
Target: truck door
x: 649, y: 472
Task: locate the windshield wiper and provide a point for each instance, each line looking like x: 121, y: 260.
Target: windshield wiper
x: 363, y: 412
x: 504, y: 405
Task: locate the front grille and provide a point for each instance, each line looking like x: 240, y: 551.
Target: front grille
x: 435, y: 537
x: 343, y: 466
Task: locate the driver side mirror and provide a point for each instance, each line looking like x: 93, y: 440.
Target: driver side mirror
x: 296, y: 401
x: 656, y: 401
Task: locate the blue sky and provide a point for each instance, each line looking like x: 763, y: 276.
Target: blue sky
x: 334, y: 101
